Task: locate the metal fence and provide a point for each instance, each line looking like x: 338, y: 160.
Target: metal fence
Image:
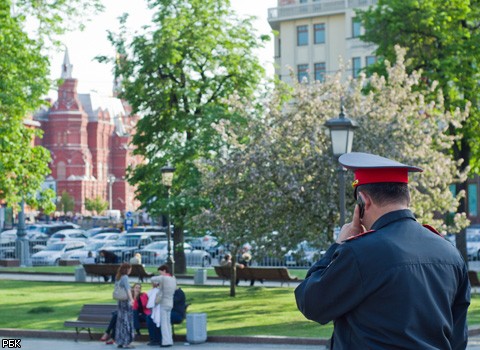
x: 195, y: 258
x: 8, y: 249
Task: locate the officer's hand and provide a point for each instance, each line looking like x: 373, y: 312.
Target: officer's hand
x: 352, y: 228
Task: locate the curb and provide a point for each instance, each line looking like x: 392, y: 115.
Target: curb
x: 45, y: 334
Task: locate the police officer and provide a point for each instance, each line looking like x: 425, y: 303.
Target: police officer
x: 399, y: 285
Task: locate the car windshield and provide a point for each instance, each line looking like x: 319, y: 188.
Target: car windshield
x: 58, y: 235
x: 55, y: 247
x: 157, y: 246
x: 94, y: 246
x: 119, y: 243
x: 136, y: 229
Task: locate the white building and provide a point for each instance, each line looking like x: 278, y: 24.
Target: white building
x: 314, y: 36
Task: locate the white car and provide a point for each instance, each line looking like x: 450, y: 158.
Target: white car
x: 52, y: 253
x: 156, y: 254
x: 67, y: 235
x: 11, y: 235
x: 303, y: 255
x: 82, y: 253
x: 104, y: 237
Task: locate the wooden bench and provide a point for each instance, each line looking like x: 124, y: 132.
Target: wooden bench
x: 92, y: 316
x: 69, y: 262
x: 99, y: 270
x: 98, y: 316
x: 278, y: 274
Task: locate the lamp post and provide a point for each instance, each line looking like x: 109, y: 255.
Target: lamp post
x: 167, y: 179
x: 341, y: 131
x: 111, y: 179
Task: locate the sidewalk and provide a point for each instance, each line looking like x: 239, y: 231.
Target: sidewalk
x: 49, y: 344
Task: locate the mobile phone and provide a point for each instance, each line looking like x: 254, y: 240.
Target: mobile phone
x: 361, y: 205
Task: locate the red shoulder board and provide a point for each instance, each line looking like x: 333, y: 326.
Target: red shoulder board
x: 359, y: 235
x: 431, y: 228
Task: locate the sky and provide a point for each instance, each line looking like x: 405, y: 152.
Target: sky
x: 84, y: 46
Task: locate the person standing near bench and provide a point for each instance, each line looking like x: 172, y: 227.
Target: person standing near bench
x: 124, y: 332
x: 167, y: 284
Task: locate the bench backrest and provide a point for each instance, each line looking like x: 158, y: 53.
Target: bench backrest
x: 101, y: 269
x: 138, y: 270
x: 101, y: 313
x: 224, y: 272
x: 257, y: 273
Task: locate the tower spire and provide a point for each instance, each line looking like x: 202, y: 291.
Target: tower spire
x: 66, y: 66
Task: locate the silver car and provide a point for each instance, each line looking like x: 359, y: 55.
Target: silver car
x: 68, y: 235
x: 156, y: 254
x: 52, y: 253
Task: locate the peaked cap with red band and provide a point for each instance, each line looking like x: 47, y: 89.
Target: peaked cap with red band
x: 369, y: 168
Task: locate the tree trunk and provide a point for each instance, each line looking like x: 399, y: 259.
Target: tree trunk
x: 233, y: 277
x: 461, y: 237
x: 178, y: 252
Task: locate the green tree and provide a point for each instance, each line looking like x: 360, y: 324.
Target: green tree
x: 23, y: 83
x: 277, y: 183
x: 96, y: 205
x: 66, y: 203
x: 177, y: 75
x: 443, y: 38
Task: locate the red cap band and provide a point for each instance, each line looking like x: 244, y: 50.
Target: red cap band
x: 365, y: 176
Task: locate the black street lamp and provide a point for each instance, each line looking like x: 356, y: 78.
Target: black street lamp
x: 341, y: 131
x: 167, y: 179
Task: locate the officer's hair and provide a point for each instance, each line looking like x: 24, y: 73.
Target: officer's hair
x: 387, y: 192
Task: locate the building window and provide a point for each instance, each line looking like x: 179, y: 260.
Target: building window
x: 319, y: 33
x: 369, y: 60
x: 303, y: 1
x: 302, y: 35
x: 472, y: 200
x: 302, y: 72
x: 320, y: 71
x: 356, y: 66
x: 356, y: 27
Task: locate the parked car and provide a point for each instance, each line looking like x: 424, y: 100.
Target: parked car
x: 68, y: 235
x: 303, y: 255
x: 50, y: 229
x: 97, y: 230
x: 137, y: 229
x: 126, y: 246
x: 156, y: 254
x: 107, y: 237
x: 11, y: 235
x: 52, y: 253
x: 205, y: 242
x: 82, y: 253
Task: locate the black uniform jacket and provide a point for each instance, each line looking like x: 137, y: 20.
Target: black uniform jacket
x: 399, y: 287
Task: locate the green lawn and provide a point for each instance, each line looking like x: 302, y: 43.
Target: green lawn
x: 254, y: 311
